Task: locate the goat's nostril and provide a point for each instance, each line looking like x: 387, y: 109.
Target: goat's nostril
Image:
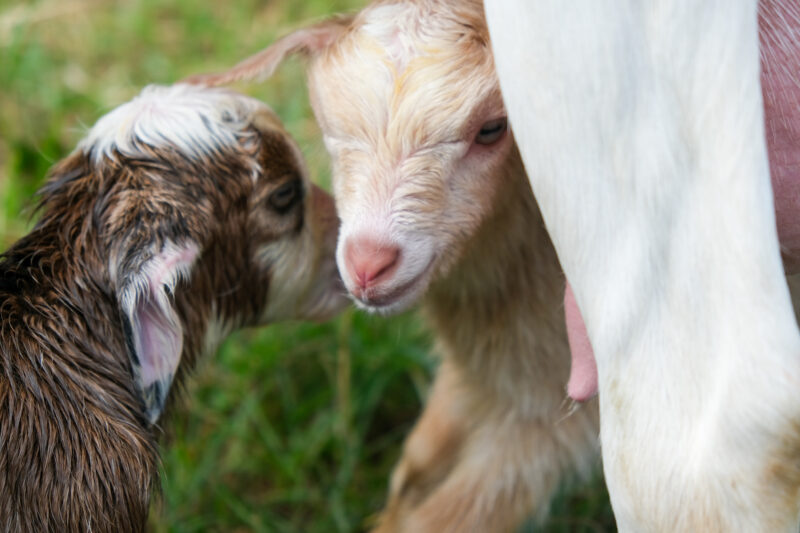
x: 370, y: 263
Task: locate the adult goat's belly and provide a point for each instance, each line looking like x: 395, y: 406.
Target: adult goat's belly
x: 779, y: 26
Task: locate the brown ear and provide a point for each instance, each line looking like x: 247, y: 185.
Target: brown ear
x: 309, y: 40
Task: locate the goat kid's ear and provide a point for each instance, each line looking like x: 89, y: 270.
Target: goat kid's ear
x: 308, y: 41
x: 153, y: 329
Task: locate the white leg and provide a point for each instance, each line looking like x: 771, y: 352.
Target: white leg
x: 641, y: 127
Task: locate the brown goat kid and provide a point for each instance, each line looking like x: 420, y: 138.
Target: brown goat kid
x: 436, y: 206
x: 184, y: 214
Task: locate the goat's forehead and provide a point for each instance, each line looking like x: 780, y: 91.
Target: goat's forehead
x: 399, y: 74
x: 396, y: 31
x: 196, y: 121
x: 402, y: 26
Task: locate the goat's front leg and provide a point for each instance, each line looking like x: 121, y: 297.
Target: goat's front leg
x: 474, y: 465
x: 429, y: 451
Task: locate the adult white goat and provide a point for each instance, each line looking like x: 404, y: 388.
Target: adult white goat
x: 643, y: 127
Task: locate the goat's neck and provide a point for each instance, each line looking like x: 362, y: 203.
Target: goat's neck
x: 499, y: 312
x: 221, y: 295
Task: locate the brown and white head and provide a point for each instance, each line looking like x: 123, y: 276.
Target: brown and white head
x: 411, y: 112
x: 206, y: 219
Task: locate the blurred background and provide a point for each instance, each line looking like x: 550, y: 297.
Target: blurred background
x: 291, y: 428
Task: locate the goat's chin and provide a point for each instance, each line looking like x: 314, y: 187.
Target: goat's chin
x: 394, y: 300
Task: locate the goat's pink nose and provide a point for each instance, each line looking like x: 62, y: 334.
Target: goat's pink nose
x: 370, y: 262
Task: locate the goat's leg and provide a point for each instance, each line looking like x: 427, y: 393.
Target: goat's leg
x: 509, y: 469
x: 469, y: 468
x: 429, y: 451
x: 643, y: 130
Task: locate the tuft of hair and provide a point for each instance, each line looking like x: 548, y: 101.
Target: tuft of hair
x: 197, y: 121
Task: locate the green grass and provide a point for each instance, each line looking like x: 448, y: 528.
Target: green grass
x: 291, y: 428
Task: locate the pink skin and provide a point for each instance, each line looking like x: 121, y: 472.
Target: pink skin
x: 583, y: 375
x: 369, y: 263
x: 780, y: 81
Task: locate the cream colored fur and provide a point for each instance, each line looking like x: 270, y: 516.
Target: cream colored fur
x: 495, y: 439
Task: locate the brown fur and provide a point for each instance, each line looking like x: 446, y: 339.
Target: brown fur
x: 76, y: 452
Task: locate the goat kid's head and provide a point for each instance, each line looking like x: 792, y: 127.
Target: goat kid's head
x: 410, y: 109
x: 207, y: 220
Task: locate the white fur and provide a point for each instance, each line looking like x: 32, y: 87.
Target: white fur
x: 394, y: 27
x: 217, y: 330
x: 197, y: 121
x: 159, y: 275
x: 641, y: 127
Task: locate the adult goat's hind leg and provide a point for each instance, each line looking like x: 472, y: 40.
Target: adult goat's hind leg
x: 643, y: 129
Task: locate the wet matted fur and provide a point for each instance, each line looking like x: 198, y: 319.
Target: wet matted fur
x: 183, y: 215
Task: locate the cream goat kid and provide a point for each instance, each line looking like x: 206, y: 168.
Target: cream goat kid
x: 434, y: 202
x: 645, y: 127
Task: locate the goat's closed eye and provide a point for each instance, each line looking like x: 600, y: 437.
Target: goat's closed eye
x: 491, y: 131
x: 286, y: 196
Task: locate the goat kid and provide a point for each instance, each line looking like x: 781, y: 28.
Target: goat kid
x: 184, y: 214
x: 644, y: 129
x: 434, y: 202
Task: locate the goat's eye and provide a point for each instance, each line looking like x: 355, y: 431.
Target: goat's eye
x: 491, y: 131
x: 286, y: 196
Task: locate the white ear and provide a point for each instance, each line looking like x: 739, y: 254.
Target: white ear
x: 153, y: 330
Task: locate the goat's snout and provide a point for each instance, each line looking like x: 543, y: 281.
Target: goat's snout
x: 370, y: 263
x: 385, y: 272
